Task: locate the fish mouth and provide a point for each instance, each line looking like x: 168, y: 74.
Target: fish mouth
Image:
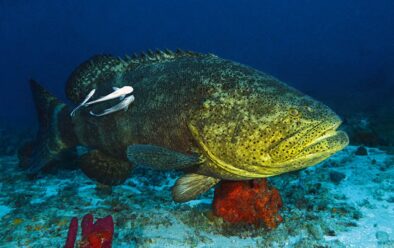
x: 309, y: 146
x: 327, y: 133
x: 310, y: 151
x: 330, y: 141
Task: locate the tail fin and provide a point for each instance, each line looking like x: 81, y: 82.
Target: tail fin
x: 55, y: 134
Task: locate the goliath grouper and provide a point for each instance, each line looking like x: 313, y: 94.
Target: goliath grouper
x: 212, y: 118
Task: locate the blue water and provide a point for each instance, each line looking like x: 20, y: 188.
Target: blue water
x: 329, y: 49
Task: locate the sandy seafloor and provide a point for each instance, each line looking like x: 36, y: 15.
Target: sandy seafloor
x: 321, y: 208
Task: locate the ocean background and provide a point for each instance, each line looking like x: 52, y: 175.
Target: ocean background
x: 339, y: 52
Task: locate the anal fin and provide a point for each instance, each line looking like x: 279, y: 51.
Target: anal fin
x: 104, y: 168
x: 191, y: 185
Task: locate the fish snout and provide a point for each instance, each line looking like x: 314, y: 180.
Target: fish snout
x: 320, y: 130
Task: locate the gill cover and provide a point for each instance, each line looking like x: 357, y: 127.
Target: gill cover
x: 228, y: 167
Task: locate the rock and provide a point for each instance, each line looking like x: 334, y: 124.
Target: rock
x: 335, y: 243
x: 357, y: 215
x: 361, y: 151
x: 382, y: 237
x: 316, y: 231
x: 304, y: 243
x: 387, y: 244
x: 336, y: 177
x: 331, y: 233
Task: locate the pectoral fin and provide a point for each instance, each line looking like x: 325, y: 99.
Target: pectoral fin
x: 160, y: 158
x: 191, y: 185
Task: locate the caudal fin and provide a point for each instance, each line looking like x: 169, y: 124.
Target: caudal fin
x: 55, y: 135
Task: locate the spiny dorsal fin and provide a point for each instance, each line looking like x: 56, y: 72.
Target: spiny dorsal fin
x: 100, y: 68
x: 159, y: 56
x: 150, y: 53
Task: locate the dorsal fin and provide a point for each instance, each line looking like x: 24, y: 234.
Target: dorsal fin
x: 159, y: 56
x: 101, y: 68
x: 91, y: 73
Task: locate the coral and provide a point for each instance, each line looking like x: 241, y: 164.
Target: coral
x: 251, y: 202
x: 98, y: 234
x: 336, y: 177
x: 94, y: 235
x: 361, y: 151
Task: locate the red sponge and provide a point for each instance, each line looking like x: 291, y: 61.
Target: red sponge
x: 94, y: 235
x: 250, y: 202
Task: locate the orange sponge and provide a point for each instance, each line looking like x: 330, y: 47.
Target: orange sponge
x: 251, y: 202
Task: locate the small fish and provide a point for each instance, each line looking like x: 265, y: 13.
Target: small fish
x: 118, y: 93
x: 91, y: 93
x: 122, y: 105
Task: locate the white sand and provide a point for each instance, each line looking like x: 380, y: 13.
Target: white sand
x: 36, y: 213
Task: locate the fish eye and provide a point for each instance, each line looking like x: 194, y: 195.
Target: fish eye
x: 294, y: 112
